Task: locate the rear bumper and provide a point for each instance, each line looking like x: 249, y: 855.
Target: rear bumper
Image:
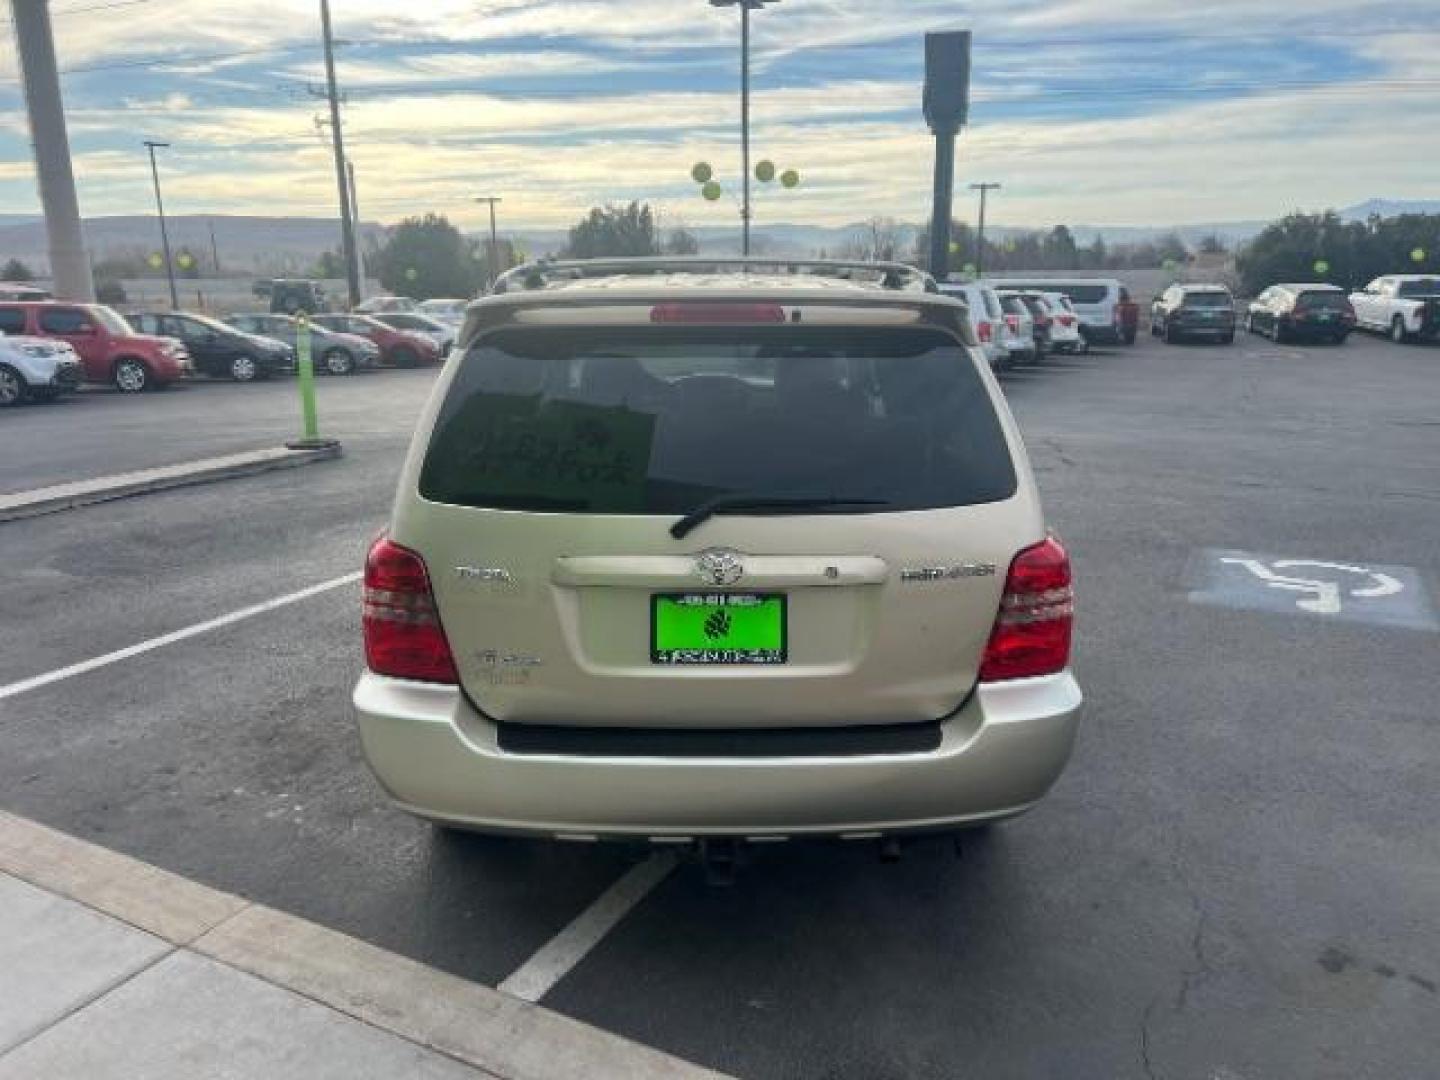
x: 438, y: 758
x: 1107, y: 335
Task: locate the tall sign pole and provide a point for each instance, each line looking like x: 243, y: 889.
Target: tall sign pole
x: 69, y: 264
x: 347, y: 221
x: 947, y: 106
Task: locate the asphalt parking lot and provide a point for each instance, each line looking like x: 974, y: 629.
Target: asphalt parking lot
x: 1237, y: 877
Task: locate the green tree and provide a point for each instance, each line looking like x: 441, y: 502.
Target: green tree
x: 1301, y: 247
x: 328, y: 265
x: 15, y: 270
x: 682, y: 241
x: 426, y: 257
x: 613, y: 231
x: 1212, y: 245
x: 1059, y: 250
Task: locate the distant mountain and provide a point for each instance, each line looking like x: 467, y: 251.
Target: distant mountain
x: 278, y: 245
x: 272, y: 245
x: 1390, y: 208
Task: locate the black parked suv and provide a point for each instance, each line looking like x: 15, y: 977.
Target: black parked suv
x: 218, y: 349
x: 1316, y: 312
x: 1194, y: 311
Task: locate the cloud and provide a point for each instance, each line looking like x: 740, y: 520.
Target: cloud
x: 1108, y: 111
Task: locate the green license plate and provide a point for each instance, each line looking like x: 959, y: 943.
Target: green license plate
x: 717, y: 628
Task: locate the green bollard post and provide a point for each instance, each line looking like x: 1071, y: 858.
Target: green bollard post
x: 305, y: 370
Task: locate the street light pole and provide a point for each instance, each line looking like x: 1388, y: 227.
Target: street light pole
x: 337, y: 138
x: 164, y: 234
x: 491, y: 263
x: 746, y: 6
x: 984, y: 190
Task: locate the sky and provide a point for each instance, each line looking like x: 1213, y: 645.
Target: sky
x: 1090, y: 112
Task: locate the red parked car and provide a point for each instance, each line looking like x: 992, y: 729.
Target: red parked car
x: 398, y: 348
x: 109, y: 348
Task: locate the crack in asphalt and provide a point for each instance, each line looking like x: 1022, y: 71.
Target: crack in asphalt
x: 1201, y: 969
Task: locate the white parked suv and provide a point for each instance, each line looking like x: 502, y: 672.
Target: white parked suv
x: 987, y: 318
x: 36, y: 369
x: 1405, y: 306
x: 698, y: 550
x: 1064, y: 324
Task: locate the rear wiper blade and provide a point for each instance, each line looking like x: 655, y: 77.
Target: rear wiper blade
x: 762, y: 504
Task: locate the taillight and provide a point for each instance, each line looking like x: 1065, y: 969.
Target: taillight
x: 1013, y: 322
x: 984, y: 330
x: 1032, y: 631
x: 403, y: 635
x: 709, y: 314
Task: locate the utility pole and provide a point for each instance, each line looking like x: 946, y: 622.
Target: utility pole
x: 164, y: 235
x: 984, y: 190
x: 355, y: 217
x: 347, y: 222
x: 214, y: 249
x: 69, y: 265
x: 492, y: 264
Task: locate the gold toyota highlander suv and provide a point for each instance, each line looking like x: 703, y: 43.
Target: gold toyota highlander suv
x: 698, y: 550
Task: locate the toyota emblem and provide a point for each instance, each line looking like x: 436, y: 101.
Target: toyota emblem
x: 719, y: 567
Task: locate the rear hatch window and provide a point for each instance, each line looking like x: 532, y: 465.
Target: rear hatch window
x: 1325, y: 301
x: 656, y: 420
x: 1207, y: 300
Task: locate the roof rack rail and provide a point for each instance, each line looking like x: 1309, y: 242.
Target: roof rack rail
x: 887, y: 275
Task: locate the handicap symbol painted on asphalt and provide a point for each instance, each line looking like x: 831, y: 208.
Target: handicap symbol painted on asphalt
x: 1346, y: 591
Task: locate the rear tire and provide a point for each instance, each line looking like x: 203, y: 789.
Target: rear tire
x: 1228, y: 339
x: 338, y: 362
x: 12, y: 387
x: 131, y: 377
x: 1172, y: 336
x: 1279, y: 334
x: 1398, y: 333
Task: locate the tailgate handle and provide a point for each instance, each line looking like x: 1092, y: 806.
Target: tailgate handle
x: 682, y: 571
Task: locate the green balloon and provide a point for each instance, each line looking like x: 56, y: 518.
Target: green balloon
x: 185, y: 260
x: 765, y: 171
x: 410, y: 274
x: 790, y: 178
x: 954, y: 247
x: 1417, y: 255
x: 712, y: 191
x: 1322, y: 267
x: 702, y: 173
x: 969, y: 268
x: 1168, y: 264
x: 156, y: 261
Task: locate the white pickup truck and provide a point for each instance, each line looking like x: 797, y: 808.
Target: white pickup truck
x: 1405, y: 306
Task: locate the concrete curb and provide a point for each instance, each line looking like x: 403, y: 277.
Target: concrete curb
x: 475, y: 1024
x: 51, y: 500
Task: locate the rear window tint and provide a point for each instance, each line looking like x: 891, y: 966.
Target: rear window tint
x: 656, y: 420
x: 12, y: 320
x: 1079, y: 292
x: 1421, y: 287
x: 1330, y: 301
x: 1206, y: 299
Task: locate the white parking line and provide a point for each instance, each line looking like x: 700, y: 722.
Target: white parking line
x: 534, y: 978
x: 81, y: 668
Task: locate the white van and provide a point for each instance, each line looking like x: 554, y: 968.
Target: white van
x: 1107, y: 312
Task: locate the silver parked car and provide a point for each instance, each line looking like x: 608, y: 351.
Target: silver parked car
x: 36, y: 369
x: 694, y: 550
